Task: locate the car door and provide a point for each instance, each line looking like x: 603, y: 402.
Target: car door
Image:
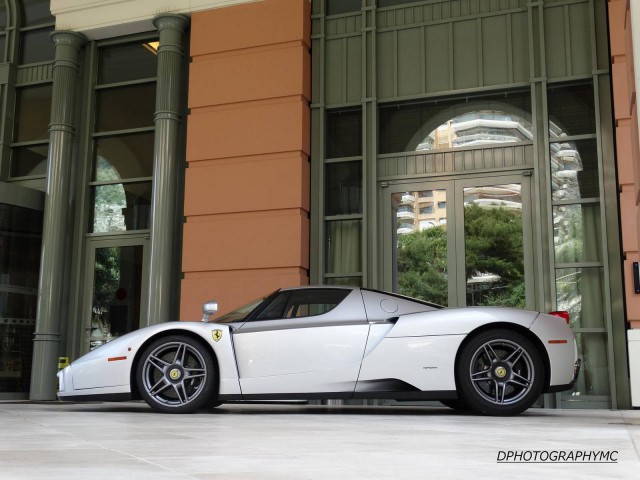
x: 308, y: 340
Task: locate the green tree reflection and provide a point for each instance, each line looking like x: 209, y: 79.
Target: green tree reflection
x: 494, y: 259
x: 422, y: 264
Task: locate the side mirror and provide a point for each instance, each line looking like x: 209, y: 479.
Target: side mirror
x: 209, y: 309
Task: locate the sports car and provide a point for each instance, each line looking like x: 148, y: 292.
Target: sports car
x: 335, y: 343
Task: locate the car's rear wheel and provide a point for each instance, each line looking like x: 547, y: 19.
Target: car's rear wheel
x: 177, y: 374
x: 500, y: 372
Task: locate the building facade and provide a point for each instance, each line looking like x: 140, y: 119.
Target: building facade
x: 468, y: 152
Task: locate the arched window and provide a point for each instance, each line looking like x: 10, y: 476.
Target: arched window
x: 451, y: 123
x: 480, y: 127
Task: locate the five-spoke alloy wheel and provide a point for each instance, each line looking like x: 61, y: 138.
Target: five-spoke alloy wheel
x: 176, y: 374
x: 499, y: 372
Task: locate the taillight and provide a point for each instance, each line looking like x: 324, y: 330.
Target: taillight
x: 562, y: 314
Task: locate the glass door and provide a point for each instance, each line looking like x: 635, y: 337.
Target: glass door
x: 461, y: 242
x: 115, y: 300
x: 421, y: 262
x: 493, y: 235
x: 20, y: 247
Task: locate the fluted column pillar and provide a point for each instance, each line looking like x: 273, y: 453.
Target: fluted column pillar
x: 52, y: 264
x: 165, y: 166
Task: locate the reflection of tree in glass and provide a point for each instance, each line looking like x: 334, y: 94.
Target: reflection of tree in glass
x: 110, y: 200
x: 569, y: 294
x: 493, y: 244
x: 568, y: 233
x: 494, y: 251
x: 107, y: 278
x: 422, y: 264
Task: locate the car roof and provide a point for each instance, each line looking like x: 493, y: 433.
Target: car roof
x: 350, y: 287
x: 324, y: 287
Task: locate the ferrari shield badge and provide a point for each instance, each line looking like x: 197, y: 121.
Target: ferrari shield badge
x: 217, y: 335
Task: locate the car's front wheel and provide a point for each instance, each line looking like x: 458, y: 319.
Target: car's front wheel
x: 176, y: 374
x: 499, y: 372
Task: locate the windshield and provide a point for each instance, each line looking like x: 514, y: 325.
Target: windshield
x: 240, y: 314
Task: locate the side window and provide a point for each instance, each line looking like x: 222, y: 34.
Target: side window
x: 276, y: 308
x: 303, y: 303
x: 307, y: 303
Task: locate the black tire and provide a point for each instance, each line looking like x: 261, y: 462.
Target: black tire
x: 177, y: 374
x: 499, y: 372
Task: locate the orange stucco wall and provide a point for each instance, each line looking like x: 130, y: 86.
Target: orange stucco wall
x: 628, y: 154
x: 248, y: 134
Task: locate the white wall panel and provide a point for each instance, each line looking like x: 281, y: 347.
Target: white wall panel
x: 107, y: 18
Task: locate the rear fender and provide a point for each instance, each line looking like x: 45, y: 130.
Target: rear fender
x: 458, y: 321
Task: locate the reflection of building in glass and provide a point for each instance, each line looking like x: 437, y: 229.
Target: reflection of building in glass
x: 495, y: 196
x: 565, y: 165
x: 421, y: 210
x: 428, y: 208
x: 483, y: 127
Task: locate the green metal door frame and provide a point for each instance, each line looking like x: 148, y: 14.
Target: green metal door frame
x: 94, y: 243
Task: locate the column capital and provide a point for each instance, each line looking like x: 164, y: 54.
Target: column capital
x: 171, y: 21
x: 65, y: 37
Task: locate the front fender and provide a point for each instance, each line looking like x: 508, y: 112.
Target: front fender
x: 111, y: 364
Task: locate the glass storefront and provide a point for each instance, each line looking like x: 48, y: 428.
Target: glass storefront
x: 20, y: 242
x: 463, y: 159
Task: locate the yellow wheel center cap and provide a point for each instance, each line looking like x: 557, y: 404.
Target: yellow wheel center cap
x: 500, y: 372
x: 175, y: 374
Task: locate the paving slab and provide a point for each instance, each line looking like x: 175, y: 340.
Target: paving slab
x: 61, y: 440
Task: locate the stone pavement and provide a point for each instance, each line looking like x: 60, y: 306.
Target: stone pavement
x: 98, y: 441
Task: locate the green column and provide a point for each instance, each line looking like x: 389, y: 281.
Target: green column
x: 57, y: 204
x: 166, y: 160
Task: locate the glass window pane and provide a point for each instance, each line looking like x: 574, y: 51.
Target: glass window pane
x: 27, y: 161
x: 124, y: 156
x: 117, y: 289
x: 3, y: 16
x: 343, y: 194
x: 20, y: 237
x: 403, y: 204
x: 346, y: 281
x: 494, y: 256
x: 336, y: 7
x: 393, y: 3
x: 125, y: 107
x: 421, y: 248
x: 127, y: 62
x: 37, y: 46
x: 343, y: 246
x: 33, y: 111
x: 594, y: 373
x: 120, y: 207
x: 3, y: 41
x: 579, y: 291
x: 20, y: 242
x: 307, y: 303
x: 482, y: 127
x: 574, y: 170
x: 15, y: 362
x: 37, y: 12
x: 576, y: 233
x: 344, y: 133
x: 276, y: 308
x: 571, y: 110
x: 455, y: 122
